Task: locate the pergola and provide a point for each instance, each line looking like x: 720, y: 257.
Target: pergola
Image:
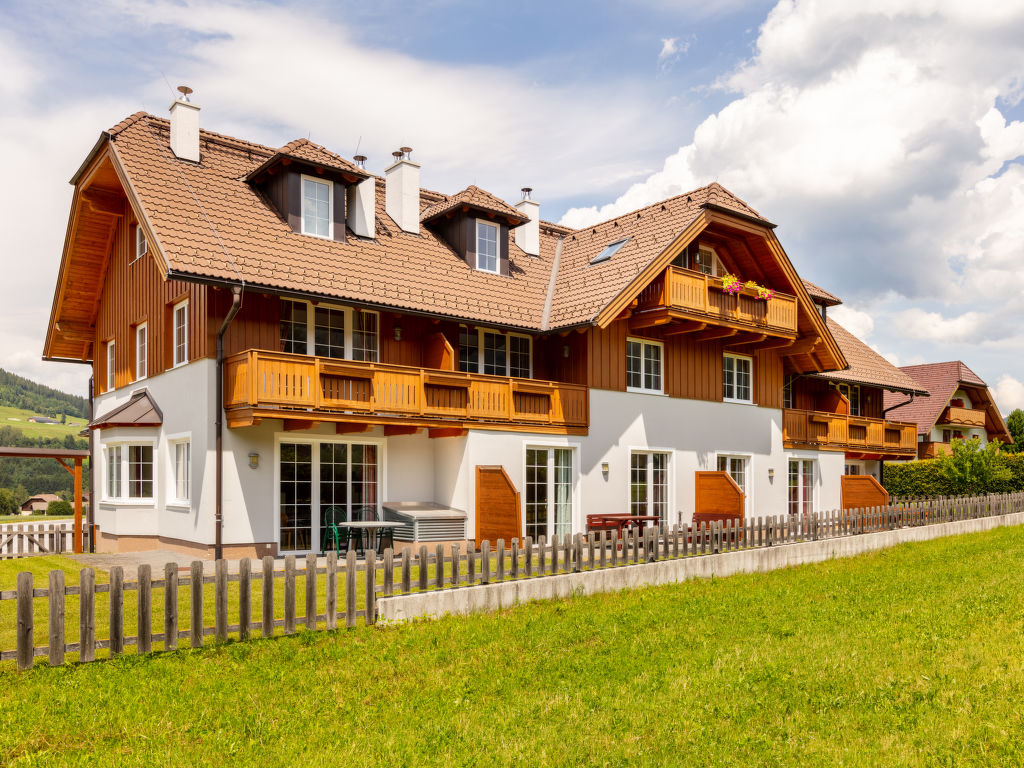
x: 62, y: 457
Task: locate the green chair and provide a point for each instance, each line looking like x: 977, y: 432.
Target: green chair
x: 335, y: 532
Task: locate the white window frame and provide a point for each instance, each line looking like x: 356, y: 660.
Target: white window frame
x: 749, y: 359
x: 290, y: 437
x: 141, y: 355
x: 111, y: 350
x: 815, y: 482
x: 141, y: 243
x: 497, y: 246
x: 122, y: 499
x: 183, y: 306
x: 670, y: 479
x: 716, y: 264
x: 575, y: 518
x: 848, y: 394
x: 330, y: 206
x: 789, y: 390
x: 643, y: 365
x: 748, y: 475
x: 173, y: 498
x: 350, y: 313
x: 480, y: 334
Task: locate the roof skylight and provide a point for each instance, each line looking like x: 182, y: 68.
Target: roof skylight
x: 610, y: 250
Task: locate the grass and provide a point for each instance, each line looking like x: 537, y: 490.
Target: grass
x: 19, y: 419
x: 911, y: 656
x: 40, y: 518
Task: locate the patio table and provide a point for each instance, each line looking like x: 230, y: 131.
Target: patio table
x: 372, y: 528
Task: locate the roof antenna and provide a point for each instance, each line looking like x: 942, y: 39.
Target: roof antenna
x: 359, y: 144
x: 168, y: 84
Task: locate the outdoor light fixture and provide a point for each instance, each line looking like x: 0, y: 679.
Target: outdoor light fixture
x: 604, y: 469
x: 565, y: 350
x: 771, y: 473
x: 254, y: 460
x: 397, y: 330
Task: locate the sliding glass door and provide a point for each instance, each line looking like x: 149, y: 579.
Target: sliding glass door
x: 549, y: 474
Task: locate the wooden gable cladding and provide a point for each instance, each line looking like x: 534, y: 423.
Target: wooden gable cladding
x: 135, y: 291
x: 692, y: 365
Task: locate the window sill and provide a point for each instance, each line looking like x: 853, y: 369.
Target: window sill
x: 179, y: 506
x: 128, y: 503
x: 182, y: 364
x: 737, y: 402
x: 640, y: 391
x: 318, y: 237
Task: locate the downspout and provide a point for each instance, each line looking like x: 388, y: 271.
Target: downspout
x: 90, y: 518
x: 881, y: 462
x: 236, y: 304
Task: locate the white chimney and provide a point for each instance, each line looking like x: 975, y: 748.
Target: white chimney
x: 185, y: 127
x: 402, y: 191
x: 362, y: 202
x: 528, y: 234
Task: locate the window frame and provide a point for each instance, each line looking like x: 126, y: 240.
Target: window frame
x: 142, y: 355
x: 669, y: 485
x: 748, y: 474
x: 716, y: 265
x: 856, y: 402
x: 644, y: 343
x: 182, y: 306
x: 174, y: 500
x: 497, y: 246
x: 303, y: 178
x: 549, y: 448
x: 478, y: 334
x: 788, y: 390
x: 141, y: 243
x: 750, y: 383
x: 123, y: 497
x: 802, y: 501
x: 110, y: 349
x: 349, y: 329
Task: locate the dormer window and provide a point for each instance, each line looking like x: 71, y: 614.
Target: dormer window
x: 317, y: 203
x: 486, y: 246
x: 141, y: 245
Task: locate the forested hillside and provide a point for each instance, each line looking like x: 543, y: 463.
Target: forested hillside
x: 20, y: 392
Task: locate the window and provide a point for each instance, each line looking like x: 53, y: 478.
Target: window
x: 704, y: 261
x: 111, y: 365
x: 851, y: 393
x: 141, y: 245
x: 114, y: 472
x: 180, y: 325
x: 316, y: 207
x: 609, y: 250
x: 494, y: 353
x: 329, y: 332
x: 801, y: 486
x: 946, y: 434
x: 853, y: 469
x: 364, y: 336
x: 788, y: 394
x: 648, y: 484
x: 181, y: 456
x: 141, y: 351
x: 736, y: 378
x: 644, y: 365
x: 486, y: 246
x: 549, y: 498
x: 736, y: 466
x: 293, y: 326
x: 129, y: 472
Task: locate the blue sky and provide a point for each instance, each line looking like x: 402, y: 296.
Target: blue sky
x: 883, y: 137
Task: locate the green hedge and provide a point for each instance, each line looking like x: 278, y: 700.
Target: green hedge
x: 930, y: 478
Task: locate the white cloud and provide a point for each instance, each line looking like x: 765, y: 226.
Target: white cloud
x: 1009, y: 393
x: 671, y: 50
x: 856, y: 321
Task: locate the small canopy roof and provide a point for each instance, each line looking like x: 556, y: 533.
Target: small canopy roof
x: 140, y: 411
x: 472, y: 197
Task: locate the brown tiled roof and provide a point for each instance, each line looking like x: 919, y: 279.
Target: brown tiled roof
x: 140, y: 411
x: 867, y: 366
x: 820, y: 295
x: 941, y: 380
x: 583, y: 289
x: 306, y: 151
x: 473, y: 197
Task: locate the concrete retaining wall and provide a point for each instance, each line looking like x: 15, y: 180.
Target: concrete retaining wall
x: 492, y: 597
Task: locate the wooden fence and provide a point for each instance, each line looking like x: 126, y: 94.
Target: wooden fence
x: 339, y: 599
x: 26, y: 539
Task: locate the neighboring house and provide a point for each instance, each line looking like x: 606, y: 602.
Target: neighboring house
x: 422, y: 354
x: 960, y: 407
x: 38, y: 503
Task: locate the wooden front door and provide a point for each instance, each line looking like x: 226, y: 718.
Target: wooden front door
x: 497, y: 506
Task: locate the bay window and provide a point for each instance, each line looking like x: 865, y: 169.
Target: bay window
x: 129, y: 468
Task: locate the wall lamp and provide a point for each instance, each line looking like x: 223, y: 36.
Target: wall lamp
x: 397, y: 331
x: 604, y: 469
x: 254, y: 461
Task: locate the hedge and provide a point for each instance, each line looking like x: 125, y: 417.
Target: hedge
x: 925, y: 478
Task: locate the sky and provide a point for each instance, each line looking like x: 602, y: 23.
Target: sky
x: 884, y: 137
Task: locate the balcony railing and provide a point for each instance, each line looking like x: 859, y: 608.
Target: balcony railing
x: 853, y: 433
x: 274, y: 384
x: 700, y: 295
x: 932, y: 450
x: 963, y: 417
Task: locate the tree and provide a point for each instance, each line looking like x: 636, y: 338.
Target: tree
x: 21, y: 495
x: 970, y: 468
x: 8, y: 505
x: 61, y: 508
x: 1015, y: 423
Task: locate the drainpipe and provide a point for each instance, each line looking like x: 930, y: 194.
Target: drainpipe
x: 236, y: 304
x: 90, y: 517
x: 881, y: 463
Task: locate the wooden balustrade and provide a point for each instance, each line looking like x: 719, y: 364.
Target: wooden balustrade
x: 296, y: 385
x: 689, y: 291
x: 841, y: 431
x: 964, y: 417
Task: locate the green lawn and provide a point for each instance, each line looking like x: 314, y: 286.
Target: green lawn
x: 911, y: 656
x: 19, y: 419
x: 35, y: 518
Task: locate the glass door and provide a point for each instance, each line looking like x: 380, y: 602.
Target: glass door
x: 548, y: 492
x: 296, y: 497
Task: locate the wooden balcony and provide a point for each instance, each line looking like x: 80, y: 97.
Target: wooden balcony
x: 853, y: 434
x: 687, y: 294
x: 932, y: 450
x: 963, y: 417
x: 260, y: 384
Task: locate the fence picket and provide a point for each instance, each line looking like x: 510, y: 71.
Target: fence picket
x: 56, y: 642
x: 171, y: 607
x: 515, y: 558
x: 87, y: 615
x: 350, y: 583
x: 268, y: 596
x: 371, y: 584
x: 529, y: 557
x: 500, y: 569
x: 116, y: 596
x: 471, y: 562
x: 244, y: 598
x: 439, y: 566
x: 331, y: 591
x: 389, y: 571
x: 485, y: 561
x: 424, y: 572
x: 24, y: 613
x: 289, y: 595
x: 196, y: 608
x: 220, y: 601
x: 456, y: 562
x: 406, y: 571
x: 144, y: 597
x: 311, y: 578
